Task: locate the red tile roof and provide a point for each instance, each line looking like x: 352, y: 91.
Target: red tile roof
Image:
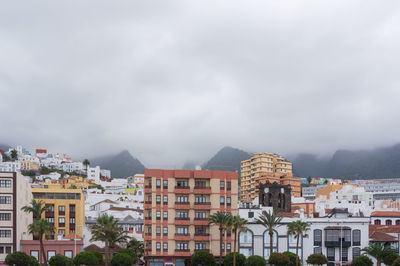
x: 386, y: 213
x: 381, y: 237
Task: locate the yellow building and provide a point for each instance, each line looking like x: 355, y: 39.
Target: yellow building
x: 29, y: 166
x: 262, y: 164
x: 326, y: 191
x: 76, y: 181
x: 66, y: 208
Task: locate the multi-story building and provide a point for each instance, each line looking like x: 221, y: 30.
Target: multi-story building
x: 66, y: 209
x: 15, y: 192
x: 177, y: 206
x: 263, y: 167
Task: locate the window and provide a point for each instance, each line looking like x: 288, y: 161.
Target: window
x: 200, y: 199
x: 61, y: 232
x: 158, y: 214
x: 165, y: 183
x: 181, y: 230
x: 165, y: 231
x: 165, y: 215
x: 165, y: 246
x: 72, y: 208
x: 5, y: 199
x: 5, y: 183
x: 200, y: 230
x: 71, y: 220
x: 344, y: 254
x: 356, y: 237
x: 356, y: 252
x: 158, y: 230
x: 158, y: 198
x: 200, y: 184
x: 49, y: 208
x: 397, y: 222
x: 61, y: 221
x: 165, y: 199
x: 330, y: 254
x: 50, y: 253
x: 223, y: 246
x: 246, y: 251
x: 5, y: 233
x: 182, y: 214
x: 8, y: 249
x: 5, y: 216
x: 200, y: 215
x: 388, y: 222
x: 228, y: 246
x: 200, y: 246
x: 35, y: 254
x: 222, y: 200
x: 61, y: 210
x: 377, y: 221
x: 222, y: 185
x: 228, y: 185
x: 158, y: 245
x: 317, y: 237
x: 158, y: 183
x: 50, y: 220
x: 245, y: 237
x: 250, y: 214
x: 228, y: 201
x: 68, y: 253
x: 181, y: 245
x: 1, y: 249
x: 182, y: 184
x: 318, y: 250
x: 182, y: 199
x: 267, y: 243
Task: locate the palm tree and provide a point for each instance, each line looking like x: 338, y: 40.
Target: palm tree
x: 298, y: 229
x: 136, y: 246
x: 270, y: 220
x: 36, y: 208
x: 106, y: 230
x: 221, y: 220
x: 236, y: 224
x: 14, y: 155
x: 39, y: 228
x: 379, y: 252
x: 86, y: 163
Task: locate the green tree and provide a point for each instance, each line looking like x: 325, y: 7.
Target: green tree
x: 14, y: 155
x: 362, y: 261
x: 240, y: 259
x: 221, y: 220
x: 390, y: 258
x: 278, y: 259
x: 203, y: 258
x: 298, y: 229
x: 309, y: 179
x: 60, y: 260
x: 106, y: 230
x: 292, y: 258
x: 36, y: 208
x: 87, y: 258
x: 270, y: 221
x: 122, y: 259
x: 255, y: 260
x: 18, y: 258
x: 317, y: 259
x: 97, y: 255
x: 86, y: 163
x: 377, y: 251
x: 137, y: 247
x: 236, y: 224
x: 129, y: 253
x: 38, y: 228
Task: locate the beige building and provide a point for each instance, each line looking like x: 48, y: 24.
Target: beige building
x: 15, y: 192
x: 265, y: 167
x: 177, y: 206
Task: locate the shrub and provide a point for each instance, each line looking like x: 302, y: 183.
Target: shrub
x: 86, y: 257
x: 390, y: 258
x: 255, y: 260
x: 317, y: 259
x: 122, y: 259
x: 362, y: 261
x: 97, y: 255
x: 278, y: 259
x: 60, y: 260
x: 240, y: 259
x: 18, y: 258
x: 203, y: 258
x: 396, y: 262
x: 292, y: 258
x: 129, y: 253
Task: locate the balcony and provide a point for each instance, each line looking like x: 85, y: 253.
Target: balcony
x: 184, y: 237
x: 148, y: 204
x: 182, y: 252
x: 182, y: 221
x: 148, y: 189
x: 200, y: 221
x: 202, y: 190
x: 201, y: 237
x: 147, y: 218
x: 202, y: 249
x: 71, y: 214
x: 71, y: 226
x: 182, y: 189
x: 182, y: 205
x: 338, y: 243
x: 49, y: 214
x: 202, y: 205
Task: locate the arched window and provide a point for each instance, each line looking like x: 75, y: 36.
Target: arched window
x: 246, y: 243
x: 356, y: 237
x: 377, y: 221
x: 317, y: 237
x: 397, y: 222
x: 388, y: 222
x: 267, y: 243
x: 356, y: 252
x: 292, y: 241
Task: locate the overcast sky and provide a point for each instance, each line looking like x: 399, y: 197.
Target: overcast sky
x: 173, y: 81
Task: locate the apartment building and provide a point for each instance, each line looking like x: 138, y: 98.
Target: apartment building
x: 66, y: 209
x: 266, y: 167
x: 177, y: 206
x: 15, y: 192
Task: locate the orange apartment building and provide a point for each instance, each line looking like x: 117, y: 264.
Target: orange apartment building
x: 177, y: 206
x: 266, y: 167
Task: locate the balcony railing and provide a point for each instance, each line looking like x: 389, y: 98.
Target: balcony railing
x: 183, y: 203
x: 337, y: 243
x: 200, y: 219
x: 202, y: 187
x: 148, y: 202
x: 202, y: 203
x: 201, y: 234
x: 147, y: 218
x: 147, y: 186
x: 182, y: 218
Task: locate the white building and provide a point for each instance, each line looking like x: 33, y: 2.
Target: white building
x: 10, y: 166
x: 105, y: 173
x: 72, y: 167
x: 94, y: 174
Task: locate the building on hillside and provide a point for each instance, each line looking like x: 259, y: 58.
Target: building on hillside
x: 177, y: 206
x: 382, y: 189
x: 271, y: 166
x: 309, y: 192
x: 10, y: 166
x: 276, y: 196
x: 338, y: 236
x: 385, y: 218
x: 283, y: 179
x: 94, y: 174
x: 73, y: 167
x: 15, y: 192
x: 76, y: 182
x: 105, y: 173
x: 65, y: 209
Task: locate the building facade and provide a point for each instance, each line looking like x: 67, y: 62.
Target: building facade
x: 262, y: 167
x: 66, y: 209
x: 15, y: 193
x: 177, y: 206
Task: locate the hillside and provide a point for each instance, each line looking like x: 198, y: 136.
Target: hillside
x: 227, y: 159
x: 121, y: 165
x: 4, y: 147
x: 365, y: 164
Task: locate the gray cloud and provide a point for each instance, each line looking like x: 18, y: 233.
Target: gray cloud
x: 176, y: 80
